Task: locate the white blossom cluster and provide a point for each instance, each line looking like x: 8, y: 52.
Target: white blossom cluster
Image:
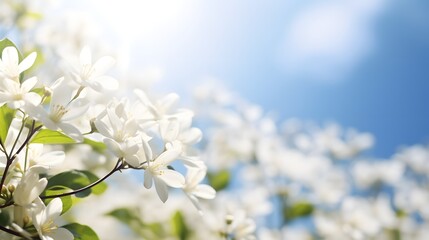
x: 291, y: 180
x: 321, y: 176
x: 296, y: 180
x: 60, y: 115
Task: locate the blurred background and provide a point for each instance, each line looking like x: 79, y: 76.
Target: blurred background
x: 359, y: 63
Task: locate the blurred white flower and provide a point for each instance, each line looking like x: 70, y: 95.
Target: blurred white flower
x: 194, y: 189
x: 367, y: 174
x: 161, y: 109
x: 91, y: 75
x: 16, y: 95
x: 10, y: 67
x: 181, y: 137
x: 40, y: 161
x: 416, y: 157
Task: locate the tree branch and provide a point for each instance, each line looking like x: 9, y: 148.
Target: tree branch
x: 119, y: 166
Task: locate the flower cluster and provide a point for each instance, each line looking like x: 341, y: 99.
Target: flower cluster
x: 294, y: 180
x: 42, y: 122
x: 65, y: 120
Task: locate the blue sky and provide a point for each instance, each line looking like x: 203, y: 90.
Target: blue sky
x: 363, y: 64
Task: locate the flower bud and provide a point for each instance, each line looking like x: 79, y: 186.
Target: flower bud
x: 11, y: 188
x: 92, y: 124
x: 47, y: 92
x: 4, y: 190
x: 26, y: 220
x: 229, y: 219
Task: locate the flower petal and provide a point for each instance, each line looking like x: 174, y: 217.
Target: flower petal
x: 168, y: 101
x: 114, y: 147
x: 33, y: 98
x: 169, y: 129
x: 103, y: 64
x: 133, y: 160
x: 204, y: 191
x: 71, y: 131
x: 29, y: 84
x: 147, y: 179
x: 10, y: 56
x: 167, y: 157
x: 76, y: 109
x: 85, y: 56
x: 107, y: 82
x: 195, y: 176
x: 103, y: 129
x: 172, y: 178
x: 61, y: 233
x: 51, y: 158
x: 191, y: 136
x: 196, y: 203
x: 161, y: 189
x: 27, y: 62
x: 54, y: 208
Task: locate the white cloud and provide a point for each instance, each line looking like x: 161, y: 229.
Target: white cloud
x: 326, y: 40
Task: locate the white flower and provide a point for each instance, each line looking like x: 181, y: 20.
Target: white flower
x: 158, y: 172
x: 61, y: 111
x: 16, y: 95
x: 194, y: 189
x: 239, y: 225
x: 10, y: 66
x: 29, y: 188
x: 181, y: 137
x: 41, y: 162
x: 91, y: 75
x: 44, y: 222
x: 120, y: 133
x: 162, y: 108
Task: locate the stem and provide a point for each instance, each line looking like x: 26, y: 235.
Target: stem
x: 26, y: 158
x: 3, y: 149
x: 77, y: 94
x: 119, y: 166
x: 7, y: 205
x: 10, y: 231
x: 27, y: 140
x: 11, y: 159
x: 19, y: 135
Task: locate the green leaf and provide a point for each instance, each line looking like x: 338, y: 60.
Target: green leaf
x: 297, y: 210
x: 67, y: 200
x: 4, y: 218
x: 125, y: 215
x: 219, y: 180
x: 395, y: 234
x: 400, y: 213
x: 130, y: 218
x: 81, y: 232
x: 47, y: 136
x: 6, y: 117
x: 96, y: 146
x: 97, y: 189
x: 75, y: 180
x: 179, y: 226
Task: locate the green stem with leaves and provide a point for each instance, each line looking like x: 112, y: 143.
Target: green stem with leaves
x: 119, y: 166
